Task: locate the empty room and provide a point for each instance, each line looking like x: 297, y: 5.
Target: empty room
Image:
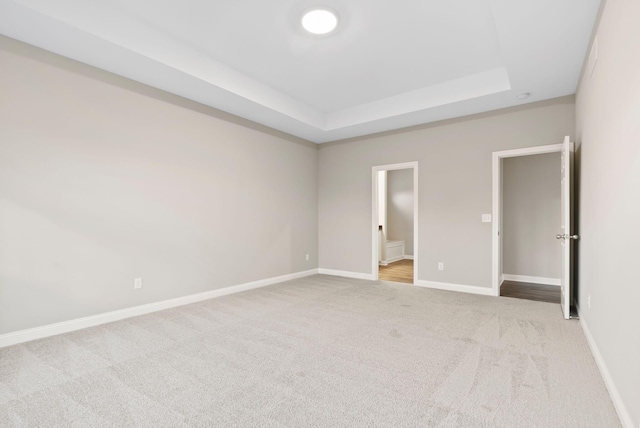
x: 336, y: 213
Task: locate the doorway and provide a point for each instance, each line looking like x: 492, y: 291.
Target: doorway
x: 395, y: 222
x: 531, y: 257
x: 533, y: 254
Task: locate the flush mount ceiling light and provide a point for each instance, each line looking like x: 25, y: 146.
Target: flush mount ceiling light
x: 319, y: 20
x: 523, y: 96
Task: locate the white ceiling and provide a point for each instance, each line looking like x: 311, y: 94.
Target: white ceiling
x: 390, y: 64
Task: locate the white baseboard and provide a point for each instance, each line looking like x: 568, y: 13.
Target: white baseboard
x: 346, y: 274
x: 27, y: 335
x: 393, y: 260
x: 421, y: 283
x: 621, y: 409
x: 473, y: 289
x: 531, y: 279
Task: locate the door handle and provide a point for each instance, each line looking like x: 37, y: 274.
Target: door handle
x: 567, y: 236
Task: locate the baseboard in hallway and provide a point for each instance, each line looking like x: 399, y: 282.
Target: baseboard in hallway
x: 531, y: 279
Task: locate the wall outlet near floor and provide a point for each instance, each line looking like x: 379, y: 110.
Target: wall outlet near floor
x: 588, y: 301
x: 486, y: 218
x: 137, y: 283
x: 306, y: 257
x: 440, y: 266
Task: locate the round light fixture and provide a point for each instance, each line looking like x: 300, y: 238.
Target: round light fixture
x: 319, y: 20
x: 523, y: 96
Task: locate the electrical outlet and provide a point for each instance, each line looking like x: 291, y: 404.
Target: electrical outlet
x: 307, y: 257
x: 137, y: 283
x: 440, y: 266
x: 588, y: 301
x: 486, y: 218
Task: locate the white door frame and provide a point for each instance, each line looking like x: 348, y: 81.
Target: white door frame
x: 374, y: 216
x: 497, y: 205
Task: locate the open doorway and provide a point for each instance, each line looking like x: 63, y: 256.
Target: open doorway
x: 531, y: 259
x: 395, y: 214
x: 531, y: 256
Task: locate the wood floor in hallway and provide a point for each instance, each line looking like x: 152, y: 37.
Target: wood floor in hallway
x: 401, y: 271
x: 537, y: 292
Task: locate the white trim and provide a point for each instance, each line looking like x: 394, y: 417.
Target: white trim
x: 27, y: 335
x: 473, y: 289
x: 497, y: 201
x: 621, y: 409
x: 537, y: 150
x: 374, y: 217
x: 394, y: 259
x: 531, y: 279
x: 346, y: 274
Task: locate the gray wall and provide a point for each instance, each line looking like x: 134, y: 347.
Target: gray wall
x: 103, y: 180
x: 531, y: 215
x: 400, y: 208
x: 608, y: 133
x: 454, y: 188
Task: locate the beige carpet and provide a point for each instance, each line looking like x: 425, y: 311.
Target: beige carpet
x: 318, y: 351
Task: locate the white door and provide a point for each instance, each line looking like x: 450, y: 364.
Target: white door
x: 565, y: 236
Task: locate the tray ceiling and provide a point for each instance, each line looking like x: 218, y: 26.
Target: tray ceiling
x: 388, y: 64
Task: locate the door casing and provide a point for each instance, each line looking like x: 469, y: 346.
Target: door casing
x: 497, y: 205
x: 374, y: 215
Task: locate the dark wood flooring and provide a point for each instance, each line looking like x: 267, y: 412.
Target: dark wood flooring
x: 401, y: 271
x: 525, y: 290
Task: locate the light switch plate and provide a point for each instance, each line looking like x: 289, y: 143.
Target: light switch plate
x: 486, y: 218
